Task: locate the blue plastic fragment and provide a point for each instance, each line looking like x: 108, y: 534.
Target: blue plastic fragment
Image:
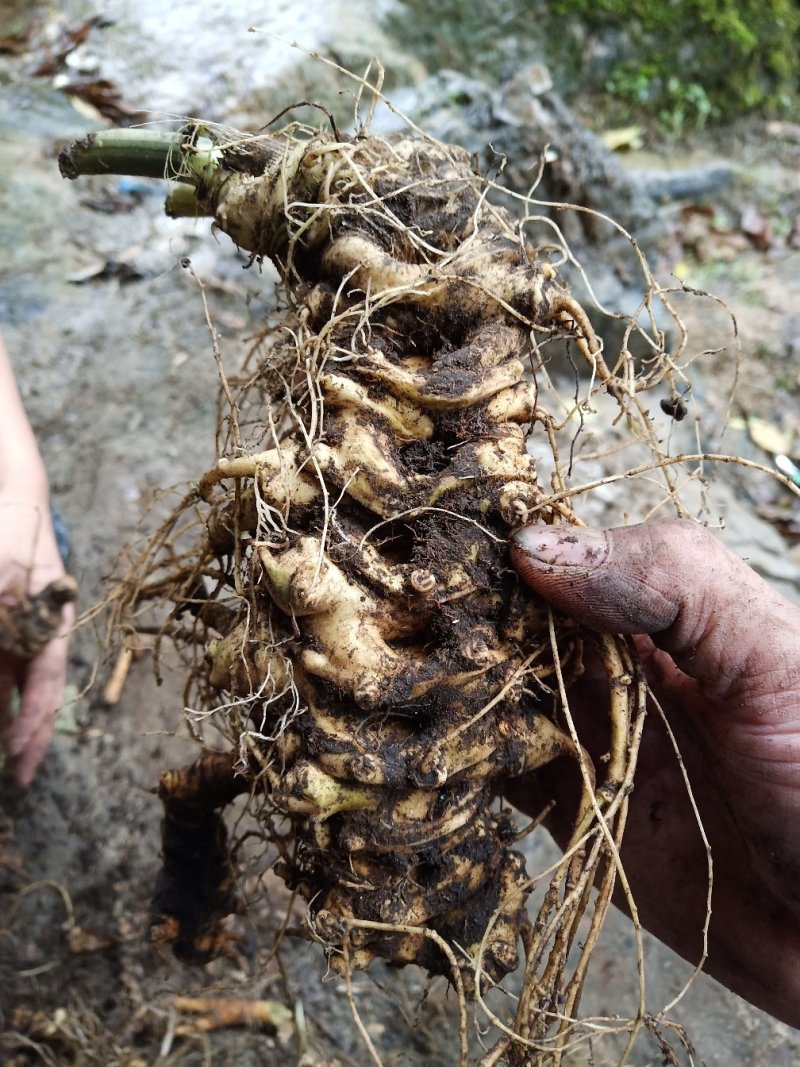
x: 63, y: 539
x: 136, y: 187
x: 785, y: 466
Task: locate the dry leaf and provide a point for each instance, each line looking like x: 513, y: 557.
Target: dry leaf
x: 769, y: 436
x: 624, y: 139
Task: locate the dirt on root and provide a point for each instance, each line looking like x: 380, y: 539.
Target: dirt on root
x: 119, y: 381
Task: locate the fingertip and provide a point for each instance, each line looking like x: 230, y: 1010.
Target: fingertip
x: 615, y: 581
x: 673, y: 579
x: 24, y: 774
x: 562, y: 546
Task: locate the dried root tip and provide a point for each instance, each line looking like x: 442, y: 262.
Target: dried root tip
x: 423, y: 582
x: 208, y: 783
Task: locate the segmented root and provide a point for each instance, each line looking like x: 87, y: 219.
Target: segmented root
x: 379, y: 669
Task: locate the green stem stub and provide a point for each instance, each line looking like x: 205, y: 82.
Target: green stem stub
x: 139, y: 153
x: 244, y: 183
x: 181, y: 155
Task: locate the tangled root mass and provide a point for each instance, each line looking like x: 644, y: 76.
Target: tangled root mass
x: 382, y: 669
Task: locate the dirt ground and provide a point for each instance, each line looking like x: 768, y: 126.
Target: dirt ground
x: 114, y: 357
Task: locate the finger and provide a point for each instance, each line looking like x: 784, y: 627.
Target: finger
x: 8, y: 687
x: 720, y: 622
x: 42, y: 694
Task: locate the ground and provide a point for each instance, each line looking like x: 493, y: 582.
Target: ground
x: 107, y: 331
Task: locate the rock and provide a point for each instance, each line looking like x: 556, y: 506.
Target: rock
x: 790, y: 333
x: 693, y: 183
x: 758, y: 543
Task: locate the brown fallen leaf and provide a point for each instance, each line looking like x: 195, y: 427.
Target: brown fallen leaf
x: 54, y: 57
x: 700, y: 233
x: 105, y: 99
x: 757, y: 228
x: 108, y: 269
x: 15, y: 43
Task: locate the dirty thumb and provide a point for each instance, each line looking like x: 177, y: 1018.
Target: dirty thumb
x: 720, y: 622
x: 672, y: 576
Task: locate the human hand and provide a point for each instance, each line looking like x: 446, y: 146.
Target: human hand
x: 723, y: 661
x: 29, y: 562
